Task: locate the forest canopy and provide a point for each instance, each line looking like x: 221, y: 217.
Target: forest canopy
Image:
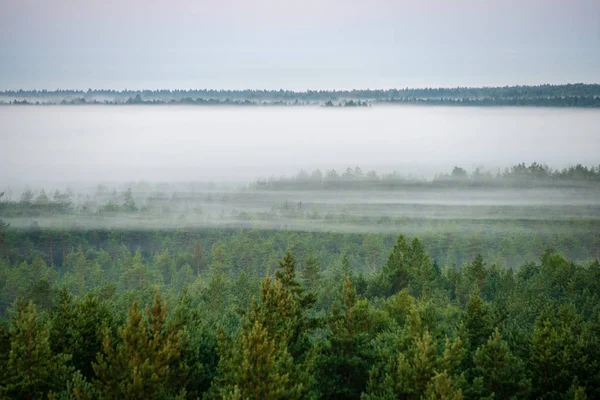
x: 331, y: 317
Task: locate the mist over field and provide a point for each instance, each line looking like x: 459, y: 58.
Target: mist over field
x: 93, y: 144
x: 215, y: 167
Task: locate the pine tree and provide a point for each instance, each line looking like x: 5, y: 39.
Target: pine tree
x: 64, y: 317
x: 139, y: 367
x: 4, y: 347
x: 478, y: 322
x: 345, y: 362
x: 394, y: 275
x: 245, y: 288
x: 302, y: 301
x: 165, y: 265
x: 3, y: 233
x: 372, y: 245
x: 421, y: 367
x: 399, y: 306
x: 443, y: 387
x: 476, y: 272
x: 414, y: 369
x: 198, y: 257
x: 346, y: 270
x: 137, y: 274
x: 420, y: 268
x: 128, y: 202
x: 260, y: 350
x: 82, y: 273
x: 499, y: 373
x: 26, y: 196
x: 265, y: 369
x: 195, y: 369
x: 272, y: 343
x: 218, y: 255
x: 216, y: 295
x: 311, y: 271
x: 576, y: 392
x: 32, y: 369
x: 564, y: 349
x: 75, y: 329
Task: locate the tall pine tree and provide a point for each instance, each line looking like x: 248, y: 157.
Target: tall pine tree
x: 139, y: 365
x: 270, y: 357
x: 32, y: 369
x: 345, y: 361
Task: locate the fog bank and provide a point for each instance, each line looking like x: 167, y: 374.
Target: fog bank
x: 99, y: 144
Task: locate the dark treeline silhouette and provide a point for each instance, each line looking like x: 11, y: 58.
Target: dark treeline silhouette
x: 568, y: 95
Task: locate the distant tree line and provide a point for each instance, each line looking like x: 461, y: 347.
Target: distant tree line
x: 568, y: 95
x: 562, y: 101
x: 520, y: 175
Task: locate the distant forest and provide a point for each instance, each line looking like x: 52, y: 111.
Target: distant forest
x: 568, y: 95
x: 520, y: 175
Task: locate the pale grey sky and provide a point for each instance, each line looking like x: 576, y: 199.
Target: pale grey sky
x: 309, y: 44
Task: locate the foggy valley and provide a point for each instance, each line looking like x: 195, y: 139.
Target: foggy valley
x: 263, y: 200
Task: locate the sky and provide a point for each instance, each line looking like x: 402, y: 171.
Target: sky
x: 296, y: 45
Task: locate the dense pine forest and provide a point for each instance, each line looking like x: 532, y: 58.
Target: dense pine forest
x: 298, y: 287
x: 567, y: 95
x: 299, y: 200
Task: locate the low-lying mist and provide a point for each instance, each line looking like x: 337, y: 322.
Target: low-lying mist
x: 523, y: 199
x: 83, y: 146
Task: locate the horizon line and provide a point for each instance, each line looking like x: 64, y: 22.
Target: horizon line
x: 303, y: 90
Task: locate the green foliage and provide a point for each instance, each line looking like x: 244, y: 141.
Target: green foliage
x: 421, y: 269
x: 137, y: 274
x: 196, y: 367
x: 394, y: 275
x: 75, y: 329
x: 499, y: 374
x: 476, y: 272
x: 311, y: 271
x: 138, y: 366
x: 31, y: 369
x: 345, y: 360
x: 478, y: 320
x: 3, y: 233
x: 418, y: 368
x: 565, y: 349
x: 268, y: 357
x: 411, y: 328
x: 443, y: 387
x: 264, y: 371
